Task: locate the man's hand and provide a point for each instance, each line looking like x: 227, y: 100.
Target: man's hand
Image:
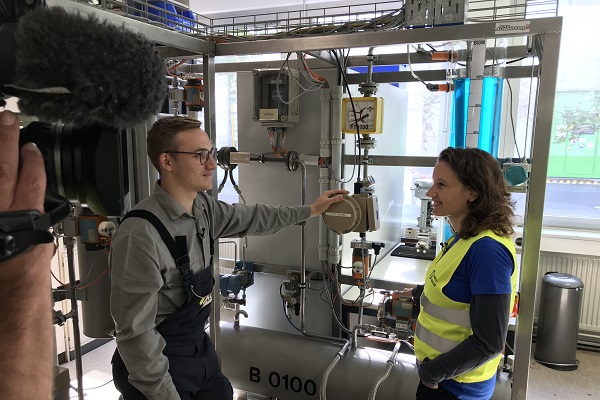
x: 26, y: 329
x: 326, y: 199
x: 24, y: 189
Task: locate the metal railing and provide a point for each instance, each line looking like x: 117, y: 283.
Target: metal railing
x: 387, y: 15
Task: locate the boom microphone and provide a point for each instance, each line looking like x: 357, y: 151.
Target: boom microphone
x: 77, y: 69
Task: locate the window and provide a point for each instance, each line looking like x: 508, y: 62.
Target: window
x: 573, y: 185
x: 227, y: 127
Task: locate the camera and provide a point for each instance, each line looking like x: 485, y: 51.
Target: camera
x: 85, y: 158
x: 85, y: 163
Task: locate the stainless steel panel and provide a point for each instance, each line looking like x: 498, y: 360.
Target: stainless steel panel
x: 265, y: 307
x: 272, y: 183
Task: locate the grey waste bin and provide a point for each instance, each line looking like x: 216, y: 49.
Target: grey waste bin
x: 558, y: 321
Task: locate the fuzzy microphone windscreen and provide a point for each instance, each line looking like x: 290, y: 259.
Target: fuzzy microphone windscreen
x: 113, y: 76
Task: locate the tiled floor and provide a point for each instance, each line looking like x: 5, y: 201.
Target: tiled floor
x: 544, y: 383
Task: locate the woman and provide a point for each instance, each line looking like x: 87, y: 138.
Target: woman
x: 470, y: 286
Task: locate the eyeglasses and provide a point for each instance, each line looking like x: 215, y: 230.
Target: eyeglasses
x: 201, y: 155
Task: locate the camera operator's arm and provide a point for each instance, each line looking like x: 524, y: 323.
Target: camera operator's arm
x: 26, y: 325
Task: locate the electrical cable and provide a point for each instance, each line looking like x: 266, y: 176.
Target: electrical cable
x: 288, y: 317
x: 56, y: 279
x: 280, y: 140
x: 535, y: 107
x: 385, y: 22
x: 509, y: 348
x: 493, y: 57
x: 68, y: 286
x: 271, y: 134
x: 431, y: 47
x: 359, y: 302
x: 229, y: 173
x: 316, y: 78
x: 506, y: 62
x: 93, y: 388
x: 372, y: 266
x: 236, y: 187
x: 447, y: 87
x: 512, y: 121
x: 331, y: 301
x: 92, y: 282
x: 345, y: 81
x: 284, y: 309
x: 223, y: 182
x: 517, y: 59
x: 313, y: 88
x: 321, y: 297
x: 176, y: 66
x: 410, y: 67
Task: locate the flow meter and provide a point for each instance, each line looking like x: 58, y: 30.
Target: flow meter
x: 369, y: 115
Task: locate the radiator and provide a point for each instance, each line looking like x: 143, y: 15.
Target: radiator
x: 586, y: 269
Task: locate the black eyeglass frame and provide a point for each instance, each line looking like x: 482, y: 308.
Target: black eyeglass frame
x: 203, y: 154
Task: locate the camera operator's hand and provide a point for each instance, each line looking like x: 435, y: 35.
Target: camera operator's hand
x: 26, y: 342
x: 19, y: 189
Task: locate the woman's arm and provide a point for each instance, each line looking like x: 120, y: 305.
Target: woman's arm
x: 489, y: 316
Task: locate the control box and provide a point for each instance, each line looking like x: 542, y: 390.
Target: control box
x: 276, y: 101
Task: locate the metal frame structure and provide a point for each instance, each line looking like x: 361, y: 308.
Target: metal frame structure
x: 546, y: 34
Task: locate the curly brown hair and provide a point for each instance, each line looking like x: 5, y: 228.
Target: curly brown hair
x: 162, y: 135
x: 493, y: 208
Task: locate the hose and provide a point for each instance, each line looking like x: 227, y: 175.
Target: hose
x: 390, y: 364
x: 336, y: 359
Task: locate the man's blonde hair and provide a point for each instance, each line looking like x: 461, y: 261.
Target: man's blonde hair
x: 162, y: 136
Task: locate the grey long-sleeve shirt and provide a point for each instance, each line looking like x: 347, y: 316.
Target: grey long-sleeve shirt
x: 146, y: 285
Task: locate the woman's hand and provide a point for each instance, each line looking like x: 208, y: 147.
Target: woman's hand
x: 429, y: 385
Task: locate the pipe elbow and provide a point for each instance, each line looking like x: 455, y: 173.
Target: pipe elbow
x: 236, y: 318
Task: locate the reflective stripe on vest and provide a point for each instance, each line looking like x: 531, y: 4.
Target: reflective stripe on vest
x: 457, y: 317
x: 439, y: 343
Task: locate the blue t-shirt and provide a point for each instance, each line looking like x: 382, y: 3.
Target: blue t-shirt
x: 485, y: 269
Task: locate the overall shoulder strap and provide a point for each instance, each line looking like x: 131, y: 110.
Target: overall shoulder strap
x: 177, y: 247
x: 210, y: 236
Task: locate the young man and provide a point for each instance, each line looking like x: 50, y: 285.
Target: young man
x: 159, y: 297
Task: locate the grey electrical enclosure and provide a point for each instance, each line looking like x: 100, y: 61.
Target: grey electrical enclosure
x: 276, y: 97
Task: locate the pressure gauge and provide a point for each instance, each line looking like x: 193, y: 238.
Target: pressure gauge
x: 369, y: 115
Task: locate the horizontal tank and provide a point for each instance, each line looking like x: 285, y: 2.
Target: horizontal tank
x: 291, y: 367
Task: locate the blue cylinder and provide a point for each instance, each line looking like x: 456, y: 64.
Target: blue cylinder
x: 460, y: 106
x: 490, y: 113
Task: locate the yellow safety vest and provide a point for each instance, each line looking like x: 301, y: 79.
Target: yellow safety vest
x: 444, y: 323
